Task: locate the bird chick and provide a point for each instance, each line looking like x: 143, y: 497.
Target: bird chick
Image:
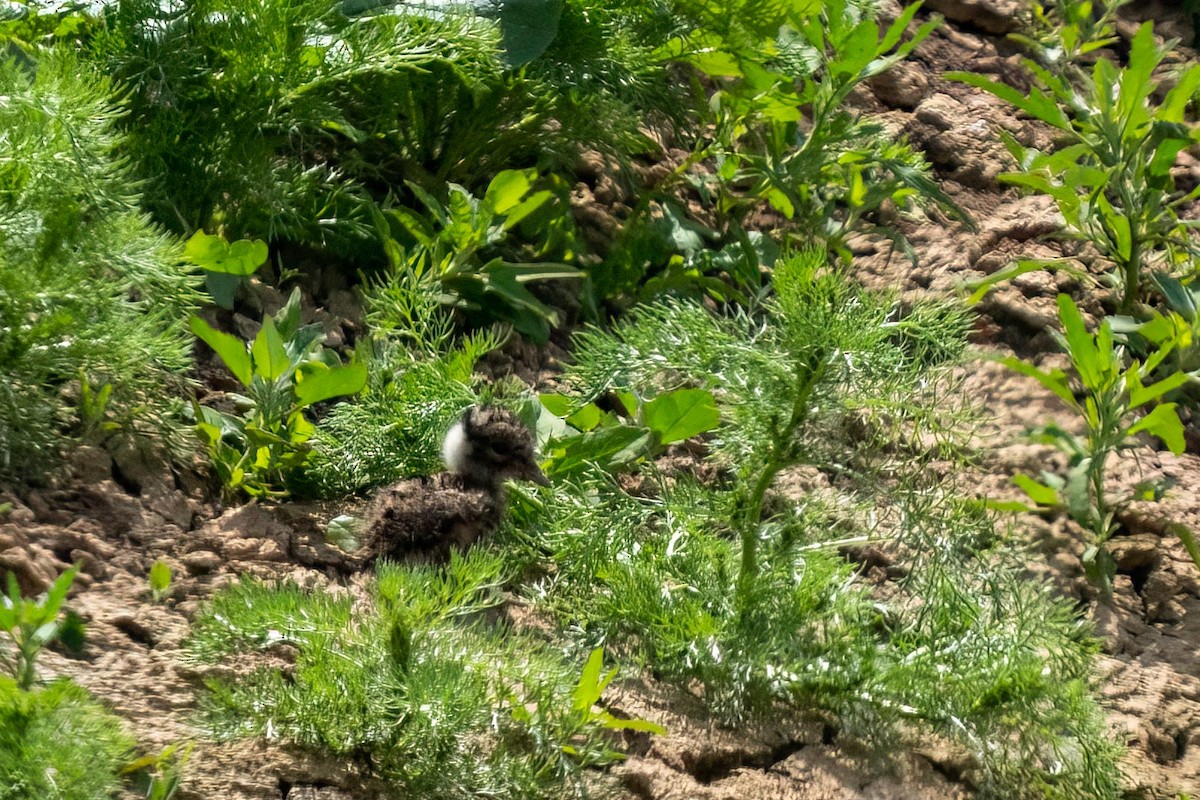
x: 423, y: 519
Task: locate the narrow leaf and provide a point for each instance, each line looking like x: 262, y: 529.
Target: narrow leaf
x: 231, y: 349
x: 270, y: 356
x: 1039, y: 493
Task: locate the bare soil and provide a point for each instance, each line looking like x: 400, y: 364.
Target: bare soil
x: 119, y: 512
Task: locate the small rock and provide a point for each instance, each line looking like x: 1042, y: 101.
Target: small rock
x: 993, y: 16
x: 91, y: 464
x: 246, y: 327
x: 1134, y: 552
x: 200, y: 562
x: 902, y: 86
x: 1161, y: 746
x: 33, y: 577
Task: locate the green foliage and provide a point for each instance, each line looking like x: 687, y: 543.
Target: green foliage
x: 226, y: 265
x: 57, y: 743
x: 1113, y: 394
x: 829, y: 376
x: 586, y: 437
x: 420, y: 380
x: 30, y: 625
x: 438, y: 703
x: 827, y: 174
x: 282, y: 119
x: 459, y: 241
x: 1063, y: 32
x: 159, y: 580
x: 285, y: 370
x: 86, y: 284
x: 1111, y: 180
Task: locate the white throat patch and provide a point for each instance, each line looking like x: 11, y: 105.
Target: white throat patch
x: 455, y: 447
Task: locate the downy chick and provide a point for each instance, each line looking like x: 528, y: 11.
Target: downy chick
x: 422, y: 519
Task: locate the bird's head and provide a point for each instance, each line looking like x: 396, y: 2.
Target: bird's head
x: 489, y: 445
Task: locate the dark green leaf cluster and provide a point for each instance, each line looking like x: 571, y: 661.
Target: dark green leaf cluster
x: 286, y: 119
x: 426, y: 695
x: 87, y: 285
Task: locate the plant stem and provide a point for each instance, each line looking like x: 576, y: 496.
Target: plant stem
x: 782, y: 456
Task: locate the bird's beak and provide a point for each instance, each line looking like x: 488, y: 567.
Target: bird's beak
x: 535, y: 474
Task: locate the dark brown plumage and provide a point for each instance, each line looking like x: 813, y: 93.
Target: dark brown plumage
x: 423, y: 519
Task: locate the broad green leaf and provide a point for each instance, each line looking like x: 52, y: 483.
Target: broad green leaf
x: 527, y: 26
x: 326, y: 383
x: 856, y: 50
x: 507, y: 189
x: 160, y: 578
x: 526, y: 207
x: 270, y: 356
x: 1039, y: 493
x: 682, y: 414
x: 57, y: 592
x: 214, y: 254
x: 612, y: 723
x: 1181, y: 94
x: 608, y: 448
x: 287, y: 319
x: 1181, y: 298
x: 1140, y: 395
x: 1081, y: 345
x: 1162, y: 422
x: 342, y: 531
x: 1036, y: 103
x: 1135, y: 78
x: 557, y: 404
x: 231, y: 349
x: 222, y: 288
x: 586, y: 418
x: 898, y: 26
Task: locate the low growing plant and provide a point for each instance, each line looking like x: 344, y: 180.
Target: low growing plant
x: 833, y: 378
x: 460, y: 241
x: 431, y: 700
x: 1112, y: 178
x: 420, y: 380
x: 89, y: 290
x: 57, y: 743
x: 226, y: 265
x: 578, y: 437
x: 30, y: 625
x: 1113, y: 395
x: 827, y: 172
x: 285, y: 370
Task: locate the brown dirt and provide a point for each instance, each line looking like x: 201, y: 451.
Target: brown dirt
x: 119, y: 513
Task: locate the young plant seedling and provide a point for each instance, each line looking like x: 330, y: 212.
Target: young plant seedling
x: 30, y: 625
x: 285, y: 370
x: 457, y: 241
x: 1112, y: 182
x: 1113, y: 394
x: 159, y: 581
